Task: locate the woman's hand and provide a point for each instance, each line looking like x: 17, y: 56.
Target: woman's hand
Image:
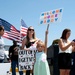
x: 27, y: 49
x: 73, y: 43
x: 73, y: 46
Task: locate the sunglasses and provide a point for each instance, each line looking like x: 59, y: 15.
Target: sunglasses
x: 30, y: 29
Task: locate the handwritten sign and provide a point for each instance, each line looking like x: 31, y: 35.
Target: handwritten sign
x: 26, y: 60
x: 51, y: 16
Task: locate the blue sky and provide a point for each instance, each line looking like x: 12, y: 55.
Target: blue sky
x: 30, y: 10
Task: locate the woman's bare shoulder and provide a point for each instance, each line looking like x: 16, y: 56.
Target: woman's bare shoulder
x: 36, y: 39
x: 69, y: 41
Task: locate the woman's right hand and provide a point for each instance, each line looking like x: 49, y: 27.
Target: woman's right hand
x: 73, y: 43
x: 73, y: 46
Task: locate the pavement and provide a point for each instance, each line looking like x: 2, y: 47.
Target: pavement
x: 17, y: 73
x: 5, y: 69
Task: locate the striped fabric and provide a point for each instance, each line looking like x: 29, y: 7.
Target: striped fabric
x: 10, y: 31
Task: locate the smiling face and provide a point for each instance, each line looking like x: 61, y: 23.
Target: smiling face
x: 31, y: 30
x: 40, y: 46
x: 30, y: 34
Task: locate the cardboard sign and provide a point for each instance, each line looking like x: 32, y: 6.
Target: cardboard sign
x: 26, y: 60
x: 51, y: 16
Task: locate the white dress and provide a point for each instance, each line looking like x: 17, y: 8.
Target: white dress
x: 41, y: 66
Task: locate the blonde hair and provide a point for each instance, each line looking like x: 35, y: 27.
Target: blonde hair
x: 40, y: 43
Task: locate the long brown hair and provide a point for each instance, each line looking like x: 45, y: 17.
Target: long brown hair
x: 64, y: 33
x: 33, y: 36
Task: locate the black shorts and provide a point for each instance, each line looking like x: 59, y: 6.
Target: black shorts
x: 64, y: 60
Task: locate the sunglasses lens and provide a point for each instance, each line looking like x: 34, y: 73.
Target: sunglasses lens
x: 31, y: 29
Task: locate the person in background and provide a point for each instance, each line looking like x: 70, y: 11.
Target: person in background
x: 28, y: 41
x: 13, y: 57
x: 1, y: 44
x: 41, y: 66
x: 73, y: 60
x: 65, y: 50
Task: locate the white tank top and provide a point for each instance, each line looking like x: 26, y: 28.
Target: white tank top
x: 69, y: 50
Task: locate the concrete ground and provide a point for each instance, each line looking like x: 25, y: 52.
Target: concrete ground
x: 16, y: 73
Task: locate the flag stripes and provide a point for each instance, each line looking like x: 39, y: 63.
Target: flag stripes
x: 12, y: 33
x: 23, y: 29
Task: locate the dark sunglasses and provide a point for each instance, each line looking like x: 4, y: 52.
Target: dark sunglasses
x: 30, y: 29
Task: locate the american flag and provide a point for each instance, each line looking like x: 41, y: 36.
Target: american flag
x: 23, y: 29
x: 10, y: 31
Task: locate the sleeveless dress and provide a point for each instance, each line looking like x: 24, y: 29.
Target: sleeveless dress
x: 41, y: 66
x: 27, y: 46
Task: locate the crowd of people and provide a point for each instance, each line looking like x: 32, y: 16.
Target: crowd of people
x: 41, y: 67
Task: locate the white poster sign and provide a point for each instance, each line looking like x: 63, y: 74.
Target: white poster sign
x: 51, y: 16
x: 26, y: 60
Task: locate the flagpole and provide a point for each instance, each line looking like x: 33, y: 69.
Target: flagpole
x: 48, y: 27
x: 20, y: 30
